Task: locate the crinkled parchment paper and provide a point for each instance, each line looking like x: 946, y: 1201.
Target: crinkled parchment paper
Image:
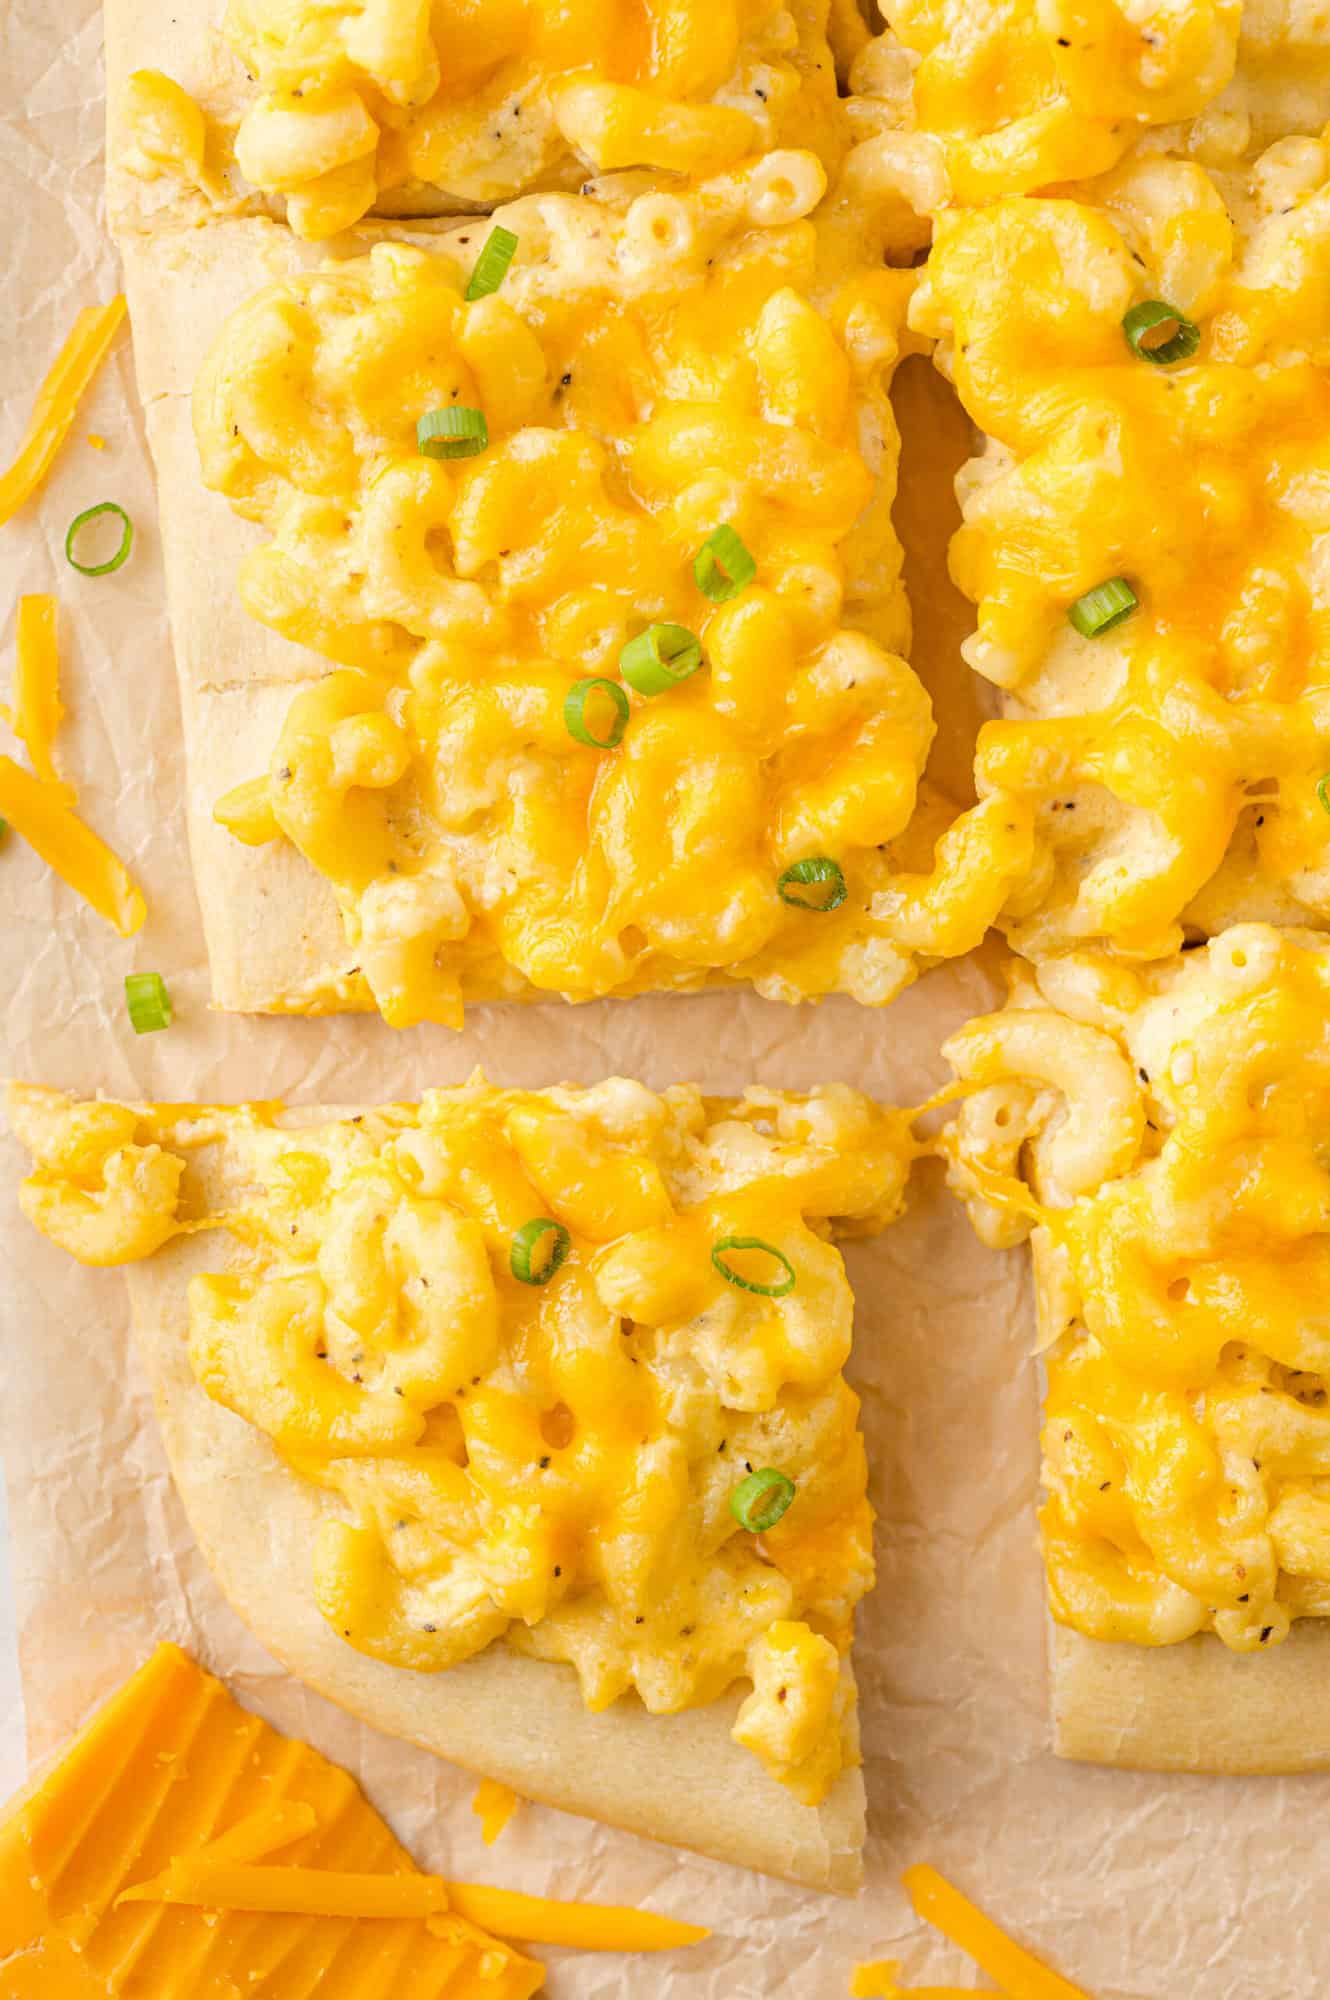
x: 1136, y: 1886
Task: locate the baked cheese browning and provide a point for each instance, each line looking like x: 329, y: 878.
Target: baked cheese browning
x: 1170, y: 1123
x: 1172, y: 758
x: 653, y: 369
x: 528, y: 1345
x: 346, y: 108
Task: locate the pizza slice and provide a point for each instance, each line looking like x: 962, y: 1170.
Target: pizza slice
x: 515, y: 1422
x: 1158, y: 1132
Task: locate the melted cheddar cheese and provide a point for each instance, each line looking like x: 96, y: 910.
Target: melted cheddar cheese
x: 453, y: 104
x: 653, y: 366
x: 1172, y: 762
x: 548, y: 1463
x: 1024, y: 96
x: 1171, y: 1123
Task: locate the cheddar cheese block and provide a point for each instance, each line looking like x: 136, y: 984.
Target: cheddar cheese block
x: 1158, y: 1130
x: 172, y: 1765
x: 515, y: 1422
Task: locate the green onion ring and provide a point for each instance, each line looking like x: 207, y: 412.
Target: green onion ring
x: 457, y: 432
x: 778, y: 1291
x: 81, y: 521
x: 816, y: 868
x: 722, y: 566
x: 1151, y: 313
x: 148, y: 1001
x: 759, y: 1501
x: 1323, y: 791
x: 574, y: 712
x: 521, y: 1257
x: 1103, y: 607
x: 659, y: 658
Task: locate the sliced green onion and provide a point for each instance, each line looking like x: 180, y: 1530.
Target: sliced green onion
x: 1322, y: 793
x: 1103, y: 607
x: 758, y: 1502
x: 1178, y: 336
x: 722, y: 566
x: 660, y: 657
x: 732, y: 1277
x: 529, y: 1267
x: 492, y: 263
x: 574, y: 712
x: 80, y: 522
x: 457, y: 432
x: 818, y: 868
x: 149, y: 1002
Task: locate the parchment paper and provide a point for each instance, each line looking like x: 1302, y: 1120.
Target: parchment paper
x: 1139, y: 1888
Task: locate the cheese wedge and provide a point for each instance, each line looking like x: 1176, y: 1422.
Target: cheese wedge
x: 172, y: 1764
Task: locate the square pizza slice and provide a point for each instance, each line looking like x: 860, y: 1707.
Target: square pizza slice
x: 549, y: 638
x: 1160, y: 1131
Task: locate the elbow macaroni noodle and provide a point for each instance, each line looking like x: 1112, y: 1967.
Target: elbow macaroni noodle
x: 1169, y: 1121
x: 546, y: 1463
x: 403, y: 104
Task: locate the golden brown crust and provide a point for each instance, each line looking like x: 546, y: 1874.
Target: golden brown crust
x: 677, y: 1778
x: 1197, y: 1706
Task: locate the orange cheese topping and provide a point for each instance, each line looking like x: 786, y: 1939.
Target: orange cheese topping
x: 1170, y: 762
x: 57, y: 402
x: 494, y: 1805
x: 171, y: 1764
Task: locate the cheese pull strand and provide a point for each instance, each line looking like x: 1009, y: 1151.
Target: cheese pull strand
x: 57, y: 401
x: 1020, y: 1975
x: 202, y: 1881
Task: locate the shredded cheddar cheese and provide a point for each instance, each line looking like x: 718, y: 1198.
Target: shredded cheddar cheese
x: 40, y: 807
x: 548, y: 1464
x: 43, y: 816
x: 494, y: 1805
x: 1020, y: 1975
x: 57, y: 402
x: 37, y: 711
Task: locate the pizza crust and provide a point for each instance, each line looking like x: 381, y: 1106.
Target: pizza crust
x: 1196, y: 1706
x: 677, y: 1778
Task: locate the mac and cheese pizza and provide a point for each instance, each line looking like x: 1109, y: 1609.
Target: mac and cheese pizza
x: 560, y: 1369
x: 1161, y: 1130
x: 618, y: 698
x: 431, y: 106
x: 1145, y: 539
x: 1024, y: 96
